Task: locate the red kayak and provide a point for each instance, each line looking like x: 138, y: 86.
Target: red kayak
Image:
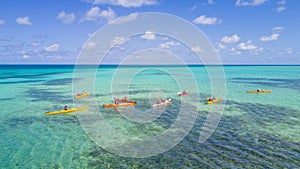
x: 183, y: 93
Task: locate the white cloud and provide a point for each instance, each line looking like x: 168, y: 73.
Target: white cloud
x: 221, y: 46
x: 124, y: 3
x: 169, y: 44
x: 52, y: 48
x: 125, y: 19
x: 25, y: 56
x: 108, y: 14
x: 233, y: 51
x: 91, y: 35
x: 193, y: 8
x: 205, y: 20
x: 230, y: 39
x: 247, y: 46
x: 119, y: 41
x: 95, y: 14
x: 66, y: 18
x: 289, y: 50
x: 249, y: 2
x: 272, y: 37
x: 2, y: 22
x: 90, y: 46
x: 149, y: 35
x: 24, y: 21
x: 35, y: 44
x: 196, y: 49
x: 278, y: 29
x: 281, y: 8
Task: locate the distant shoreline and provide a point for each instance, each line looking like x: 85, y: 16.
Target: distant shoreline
x: 112, y: 65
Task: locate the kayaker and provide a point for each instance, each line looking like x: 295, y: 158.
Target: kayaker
x: 211, y: 98
x: 66, y: 107
x: 257, y: 90
x: 78, y: 94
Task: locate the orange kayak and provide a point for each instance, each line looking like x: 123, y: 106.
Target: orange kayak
x: 259, y: 92
x: 118, y: 105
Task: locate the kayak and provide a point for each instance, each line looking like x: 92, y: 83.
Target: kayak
x: 183, y: 94
x: 71, y: 110
x: 214, y: 101
x: 81, y: 96
x: 162, y: 103
x: 119, y: 104
x: 125, y: 101
x: 259, y: 92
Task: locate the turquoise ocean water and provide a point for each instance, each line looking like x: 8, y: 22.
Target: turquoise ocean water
x: 256, y: 130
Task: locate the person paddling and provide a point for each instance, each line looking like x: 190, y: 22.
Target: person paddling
x: 211, y: 98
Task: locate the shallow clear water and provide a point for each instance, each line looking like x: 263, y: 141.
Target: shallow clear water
x: 256, y: 130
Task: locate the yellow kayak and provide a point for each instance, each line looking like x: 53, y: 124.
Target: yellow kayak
x: 213, y: 101
x: 119, y: 104
x: 81, y: 96
x: 71, y: 110
x: 259, y: 92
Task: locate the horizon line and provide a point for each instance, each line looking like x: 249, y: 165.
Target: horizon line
x: 71, y: 64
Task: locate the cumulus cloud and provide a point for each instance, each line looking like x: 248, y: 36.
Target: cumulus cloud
x: 289, y: 50
x: 194, y: 7
x: 2, y: 22
x: 233, y: 51
x: 119, y: 41
x: 35, y: 44
x: 95, y: 14
x: 25, y: 56
x: 66, y: 18
x: 90, y: 46
x: 125, y: 19
x: 91, y: 35
x: 169, y: 44
x: 249, y: 2
x: 23, y: 21
x: 205, y: 20
x: 149, y: 35
x: 247, y: 46
x: 272, y: 37
x: 221, y: 46
x: 230, y: 39
x: 124, y: 3
x: 196, y: 49
x: 52, y: 48
x: 281, y: 8
x: 278, y: 29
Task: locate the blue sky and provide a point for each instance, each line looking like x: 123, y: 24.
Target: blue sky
x: 242, y: 31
